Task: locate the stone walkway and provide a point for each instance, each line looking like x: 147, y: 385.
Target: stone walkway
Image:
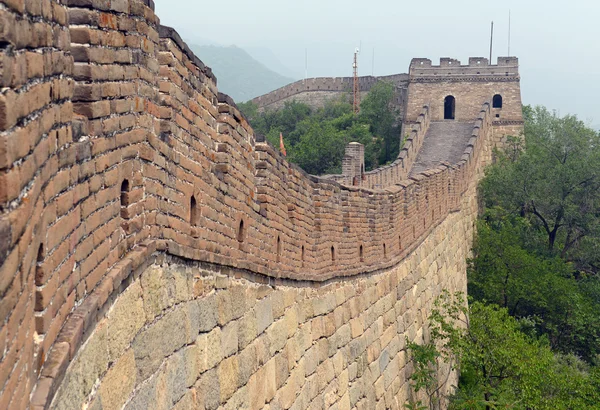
x: 444, y: 141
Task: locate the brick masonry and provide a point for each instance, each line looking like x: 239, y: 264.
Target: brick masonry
x: 116, y: 149
x: 317, y: 91
x: 183, y: 335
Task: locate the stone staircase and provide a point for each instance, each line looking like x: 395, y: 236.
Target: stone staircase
x: 445, y: 141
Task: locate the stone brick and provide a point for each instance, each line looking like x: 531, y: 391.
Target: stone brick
x: 228, y: 371
x: 125, y: 319
x: 229, y: 339
x: 159, y: 340
x: 119, y: 382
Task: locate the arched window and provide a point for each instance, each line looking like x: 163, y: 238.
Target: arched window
x: 193, y: 211
x: 384, y: 251
x: 124, y: 191
x: 39, y: 270
x: 241, y: 232
x: 278, y: 249
x: 497, y: 101
x: 302, y: 256
x: 449, y: 107
x: 332, y: 254
x: 360, y: 252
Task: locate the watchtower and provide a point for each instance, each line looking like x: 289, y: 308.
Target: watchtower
x: 456, y: 92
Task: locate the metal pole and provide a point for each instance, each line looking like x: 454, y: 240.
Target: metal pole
x: 305, y: 64
x: 509, y: 32
x: 491, y: 42
x: 373, y: 64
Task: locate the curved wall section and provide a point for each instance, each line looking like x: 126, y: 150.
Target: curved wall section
x: 115, y: 145
x: 183, y: 335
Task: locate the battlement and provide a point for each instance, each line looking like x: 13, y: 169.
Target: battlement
x: 422, y: 68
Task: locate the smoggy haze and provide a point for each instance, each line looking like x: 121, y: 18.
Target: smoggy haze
x: 557, y: 42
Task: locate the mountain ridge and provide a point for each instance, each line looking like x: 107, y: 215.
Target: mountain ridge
x: 239, y: 74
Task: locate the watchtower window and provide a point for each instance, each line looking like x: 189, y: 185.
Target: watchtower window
x: 497, y: 101
x: 449, y: 107
x: 332, y: 254
x: 360, y: 252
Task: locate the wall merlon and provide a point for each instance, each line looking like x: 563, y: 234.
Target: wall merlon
x: 449, y: 67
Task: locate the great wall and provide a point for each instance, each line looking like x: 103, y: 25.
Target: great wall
x: 155, y: 254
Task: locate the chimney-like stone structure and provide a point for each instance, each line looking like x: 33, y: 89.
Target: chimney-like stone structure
x: 353, y: 164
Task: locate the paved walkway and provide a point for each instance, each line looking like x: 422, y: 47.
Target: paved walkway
x: 444, y: 141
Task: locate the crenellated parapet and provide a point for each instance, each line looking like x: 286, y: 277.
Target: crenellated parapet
x: 116, y: 147
x: 478, y: 69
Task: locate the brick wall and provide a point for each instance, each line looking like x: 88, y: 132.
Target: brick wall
x: 316, y: 91
x: 471, y: 85
x: 185, y: 335
x: 115, y: 145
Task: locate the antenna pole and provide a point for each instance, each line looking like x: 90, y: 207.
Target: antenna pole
x: 356, y: 104
x: 373, y: 64
x: 491, y: 42
x: 305, y: 64
x: 509, y: 32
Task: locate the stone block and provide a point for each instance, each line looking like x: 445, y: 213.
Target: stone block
x: 209, y: 385
x: 224, y: 303
x: 207, y: 307
x: 247, y: 330
x: 228, y: 372
x: 162, y: 338
x: 247, y: 364
x: 119, y: 382
x: 264, y: 314
x: 229, y: 339
x: 124, y: 320
x: 214, y: 352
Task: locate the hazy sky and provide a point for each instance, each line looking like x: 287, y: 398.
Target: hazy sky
x: 557, y: 42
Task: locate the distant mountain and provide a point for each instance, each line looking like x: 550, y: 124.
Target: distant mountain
x: 238, y: 74
x: 268, y: 58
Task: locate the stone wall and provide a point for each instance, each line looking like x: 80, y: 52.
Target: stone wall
x: 184, y: 336
x: 316, y: 91
x: 471, y: 85
x: 115, y: 145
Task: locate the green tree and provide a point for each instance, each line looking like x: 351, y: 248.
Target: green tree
x: 503, y: 367
x: 538, y: 287
x: 376, y: 110
x: 555, y: 184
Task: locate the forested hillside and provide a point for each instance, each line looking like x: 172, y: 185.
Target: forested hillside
x: 315, y: 139
x: 530, y: 338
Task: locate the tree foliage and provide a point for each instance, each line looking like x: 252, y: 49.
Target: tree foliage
x: 315, y: 139
x: 502, y: 366
x: 555, y: 184
x: 536, y: 252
